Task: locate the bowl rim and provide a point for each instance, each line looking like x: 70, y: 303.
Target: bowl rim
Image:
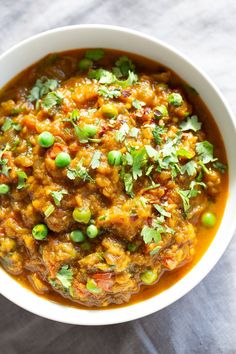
x: 61, y: 313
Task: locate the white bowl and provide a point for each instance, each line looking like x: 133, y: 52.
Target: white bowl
x: 84, y: 36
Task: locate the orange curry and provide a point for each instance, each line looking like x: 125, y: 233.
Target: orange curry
x: 113, y: 178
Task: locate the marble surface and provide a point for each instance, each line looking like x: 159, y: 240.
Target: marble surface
x: 204, y: 321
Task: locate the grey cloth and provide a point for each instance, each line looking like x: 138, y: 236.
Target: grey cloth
x: 204, y: 321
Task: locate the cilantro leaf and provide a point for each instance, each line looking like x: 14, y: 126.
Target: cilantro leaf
x: 95, y: 162
x: 112, y: 93
x: 94, y: 54
x: 184, y: 194
x: 3, y: 161
x: 139, y: 160
x: 152, y: 153
x: 122, y: 132
x: 151, y: 235
x: 138, y: 104
x: 50, y: 209
x: 205, y: 151
x: 8, y: 124
x: 190, y: 167
x: 42, y: 87
x: 52, y: 99
x: 184, y: 153
x: 65, y: 276
x: 220, y: 166
x: 191, y: 123
x: 124, y: 64
x: 80, y: 171
x: 190, y: 193
x: 157, y: 132
x: 22, y: 177
x: 101, y: 75
x: 58, y: 195
x: 132, y: 79
x: 152, y: 186
x: 162, y: 211
x: 128, y: 181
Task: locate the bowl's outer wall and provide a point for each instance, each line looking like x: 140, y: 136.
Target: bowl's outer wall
x: 85, y: 36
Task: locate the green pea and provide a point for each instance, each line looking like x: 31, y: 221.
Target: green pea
x: 94, y: 54
x: 92, y: 287
x: 208, y: 219
x: 62, y: 160
x: 82, y: 215
x: 4, y: 188
x: 85, y: 64
x: 114, y: 158
x: 109, y: 111
x: 46, y: 139
x: 40, y: 231
x: 148, y: 277
x: 92, y: 231
x: 77, y: 236
x: 175, y: 99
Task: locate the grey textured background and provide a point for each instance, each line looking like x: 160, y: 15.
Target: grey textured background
x: 204, y: 321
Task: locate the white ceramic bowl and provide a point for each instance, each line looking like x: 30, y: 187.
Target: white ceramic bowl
x: 29, y: 51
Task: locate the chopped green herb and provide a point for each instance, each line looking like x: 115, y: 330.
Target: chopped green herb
x: 41, y: 88
x: 50, y: 209
x: 152, y: 186
x: 65, y: 276
x: 4, y: 168
x: 128, y: 181
x: 22, y: 177
x: 122, y: 132
x: 190, y: 167
x: 139, y: 160
x: 184, y: 153
x: 80, y: 171
x: 220, y: 166
x: 151, y: 235
x: 95, y: 162
x: 92, y: 287
x: 101, y: 75
x: 52, y: 99
x: 162, y: 211
x: 205, y: 151
x: 94, y: 54
x: 124, y: 65
x: 109, y: 93
x: 190, y: 193
x: 58, y: 195
x: 152, y: 153
x: 138, y: 104
x: 157, y: 132
x: 191, y: 123
x: 9, y: 124
x: 132, y: 79
x: 155, y: 250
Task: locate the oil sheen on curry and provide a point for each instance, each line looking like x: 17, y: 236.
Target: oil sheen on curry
x: 113, y: 178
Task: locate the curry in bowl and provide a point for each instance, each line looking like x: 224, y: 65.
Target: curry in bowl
x: 113, y: 178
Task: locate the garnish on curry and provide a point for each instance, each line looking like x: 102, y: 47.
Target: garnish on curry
x: 113, y: 177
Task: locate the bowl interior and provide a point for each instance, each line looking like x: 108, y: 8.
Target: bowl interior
x: 85, y: 36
